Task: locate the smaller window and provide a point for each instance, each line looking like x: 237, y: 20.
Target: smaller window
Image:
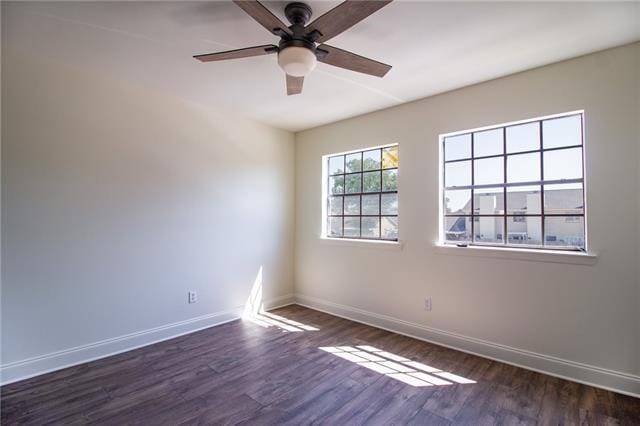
x: 362, y: 194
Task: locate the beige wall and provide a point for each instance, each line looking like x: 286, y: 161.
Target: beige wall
x: 118, y: 200
x: 578, y: 313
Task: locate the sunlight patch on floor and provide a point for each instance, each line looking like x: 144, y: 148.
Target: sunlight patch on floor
x: 413, y: 373
x: 254, y: 312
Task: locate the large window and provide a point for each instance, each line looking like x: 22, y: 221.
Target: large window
x: 362, y: 194
x: 519, y: 185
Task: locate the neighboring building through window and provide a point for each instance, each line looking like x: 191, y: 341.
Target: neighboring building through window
x: 519, y: 185
x: 362, y: 194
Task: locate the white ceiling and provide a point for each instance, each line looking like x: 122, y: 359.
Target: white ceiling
x: 433, y: 47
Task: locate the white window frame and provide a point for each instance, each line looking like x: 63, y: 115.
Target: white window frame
x: 326, y: 196
x: 443, y: 242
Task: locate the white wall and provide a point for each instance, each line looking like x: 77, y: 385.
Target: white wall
x: 549, y: 313
x: 116, y: 201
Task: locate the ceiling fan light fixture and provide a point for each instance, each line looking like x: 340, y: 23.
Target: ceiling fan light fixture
x: 297, y: 61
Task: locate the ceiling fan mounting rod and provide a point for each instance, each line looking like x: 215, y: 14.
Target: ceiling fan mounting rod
x: 298, y: 13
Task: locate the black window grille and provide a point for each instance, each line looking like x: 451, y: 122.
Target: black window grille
x: 362, y: 194
x: 519, y: 185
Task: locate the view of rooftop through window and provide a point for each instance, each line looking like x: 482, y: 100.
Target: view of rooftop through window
x: 518, y: 185
x: 362, y: 194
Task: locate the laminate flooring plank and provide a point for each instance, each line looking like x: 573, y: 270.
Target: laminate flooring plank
x: 245, y: 373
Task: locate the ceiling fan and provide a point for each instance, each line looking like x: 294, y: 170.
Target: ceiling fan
x: 298, y: 50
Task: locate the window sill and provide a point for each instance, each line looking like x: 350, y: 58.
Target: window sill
x: 533, y: 255
x: 367, y: 244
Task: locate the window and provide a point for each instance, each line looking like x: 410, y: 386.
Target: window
x: 362, y: 194
x: 519, y: 185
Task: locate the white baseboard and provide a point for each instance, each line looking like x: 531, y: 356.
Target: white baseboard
x: 35, y: 366
x: 616, y: 381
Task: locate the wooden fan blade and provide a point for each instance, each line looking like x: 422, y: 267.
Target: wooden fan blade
x: 260, y: 13
x: 343, y: 17
x: 294, y: 85
x: 238, y: 53
x: 351, y: 61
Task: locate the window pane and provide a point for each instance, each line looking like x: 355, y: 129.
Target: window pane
x: 523, y: 200
x: 524, y: 230
x: 488, y: 142
x: 335, y: 205
x: 564, y: 231
x: 457, y: 228
x: 336, y: 165
x: 335, y: 226
x: 371, y: 160
x: 371, y: 182
x: 389, y: 204
x: 488, y: 201
x: 352, y: 205
x: 564, y: 131
x: 353, y: 183
x: 523, y: 168
x: 563, y: 164
x: 336, y: 185
x: 457, y: 147
x: 489, y: 171
x: 371, y: 204
x: 457, y: 201
x: 390, y: 180
x: 354, y: 162
x: 371, y: 227
x: 563, y: 199
x: 457, y: 174
x: 489, y: 229
x: 390, y: 157
x: 524, y: 137
x: 389, y: 226
x: 351, y: 226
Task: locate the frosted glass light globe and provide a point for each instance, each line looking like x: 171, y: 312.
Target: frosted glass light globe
x: 297, y: 61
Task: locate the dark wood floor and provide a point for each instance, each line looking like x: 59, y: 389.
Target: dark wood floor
x: 313, y: 368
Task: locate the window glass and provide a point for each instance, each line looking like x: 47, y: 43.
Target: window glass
x: 523, y: 200
x: 457, y: 228
x: 564, y: 199
x: 457, y: 173
x: 523, y: 137
x: 371, y: 182
x: 488, y: 201
x: 354, y: 162
x: 335, y: 205
x: 458, y: 201
x: 371, y: 160
x: 390, y: 157
x: 488, y: 142
x: 336, y: 165
x: 353, y: 183
x: 336, y: 185
x: 488, y: 171
x: 362, y: 194
x: 523, y: 167
x: 524, y: 230
x: 390, y: 180
x: 371, y: 204
x: 539, y: 203
x: 564, y: 231
x: 563, y: 164
x: 565, y: 131
x: 457, y: 147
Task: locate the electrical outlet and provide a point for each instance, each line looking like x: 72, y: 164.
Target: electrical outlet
x: 193, y: 297
x: 427, y: 304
